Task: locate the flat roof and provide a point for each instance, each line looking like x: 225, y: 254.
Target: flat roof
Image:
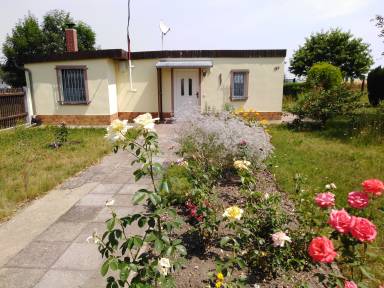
x: 120, y: 54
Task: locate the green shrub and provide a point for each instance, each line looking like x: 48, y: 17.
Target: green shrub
x: 179, y: 184
x: 323, y: 104
x: 324, y: 75
x: 293, y: 89
x: 376, y: 86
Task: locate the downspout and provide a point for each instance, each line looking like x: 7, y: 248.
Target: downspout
x: 30, y: 84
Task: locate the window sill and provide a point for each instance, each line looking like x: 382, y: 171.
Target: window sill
x: 239, y: 99
x: 74, y: 103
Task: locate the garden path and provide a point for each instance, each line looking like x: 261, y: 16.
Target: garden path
x: 44, y: 246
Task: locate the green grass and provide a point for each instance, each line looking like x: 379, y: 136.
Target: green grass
x: 344, y: 153
x: 29, y: 168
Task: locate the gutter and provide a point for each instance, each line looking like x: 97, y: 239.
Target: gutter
x: 29, y: 102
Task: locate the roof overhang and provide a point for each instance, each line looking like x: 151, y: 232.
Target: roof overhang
x: 171, y: 63
x: 119, y: 54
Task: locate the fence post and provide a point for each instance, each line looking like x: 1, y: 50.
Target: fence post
x: 28, y: 100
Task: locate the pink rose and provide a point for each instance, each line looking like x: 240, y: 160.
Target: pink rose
x: 325, y: 200
x: 340, y: 220
x: 358, y: 200
x: 362, y: 229
x: 321, y: 250
x: 350, y: 284
x: 374, y: 186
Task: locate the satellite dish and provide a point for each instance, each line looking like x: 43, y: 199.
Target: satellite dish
x: 164, y: 28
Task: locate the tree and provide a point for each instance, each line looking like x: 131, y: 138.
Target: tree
x: 380, y: 24
x: 339, y: 48
x: 28, y: 38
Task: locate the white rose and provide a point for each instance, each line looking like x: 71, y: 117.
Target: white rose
x: 279, y: 239
x: 146, y: 121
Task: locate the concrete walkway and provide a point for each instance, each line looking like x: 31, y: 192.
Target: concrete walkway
x: 44, y: 245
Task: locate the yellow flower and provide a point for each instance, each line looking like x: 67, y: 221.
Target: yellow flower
x: 220, y: 276
x: 264, y: 122
x: 242, y: 164
x: 219, y: 284
x: 233, y: 213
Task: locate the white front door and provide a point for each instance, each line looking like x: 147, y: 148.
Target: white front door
x: 186, y: 91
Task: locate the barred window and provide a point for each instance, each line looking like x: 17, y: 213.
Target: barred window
x: 239, y: 85
x: 72, y: 82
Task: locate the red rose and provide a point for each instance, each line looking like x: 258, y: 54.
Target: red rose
x: 350, y: 284
x: 325, y: 200
x: 374, y: 186
x: 321, y: 250
x: 340, y: 220
x: 358, y: 200
x: 362, y: 229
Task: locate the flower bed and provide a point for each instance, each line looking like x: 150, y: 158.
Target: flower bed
x: 216, y: 218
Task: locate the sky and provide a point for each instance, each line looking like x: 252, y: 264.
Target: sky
x: 210, y: 24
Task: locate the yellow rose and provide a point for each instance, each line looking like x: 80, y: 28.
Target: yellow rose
x: 220, y: 276
x: 242, y: 164
x: 219, y: 284
x: 233, y: 213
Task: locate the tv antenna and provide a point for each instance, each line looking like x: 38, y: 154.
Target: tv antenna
x: 164, y: 30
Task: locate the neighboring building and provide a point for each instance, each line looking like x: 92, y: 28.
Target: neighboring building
x: 93, y: 87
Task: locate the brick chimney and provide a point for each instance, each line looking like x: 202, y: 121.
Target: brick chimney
x: 71, y: 40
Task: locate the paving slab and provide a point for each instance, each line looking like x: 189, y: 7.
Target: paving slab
x: 38, y: 255
x: 62, y: 231
x: 106, y: 188
x: 94, y: 200
x: 64, y: 279
x: 80, y: 256
x: 98, y: 227
x: 20, y: 277
x: 81, y: 214
x: 106, y: 214
x: 131, y: 188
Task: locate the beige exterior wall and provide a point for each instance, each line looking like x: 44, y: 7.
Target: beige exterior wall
x: 101, y: 88
x: 265, y: 85
x: 143, y: 97
x: 110, y: 93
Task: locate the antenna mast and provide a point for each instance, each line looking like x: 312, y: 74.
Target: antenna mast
x: 129, y: 45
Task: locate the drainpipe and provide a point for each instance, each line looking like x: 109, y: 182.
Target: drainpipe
x: 29, y: 95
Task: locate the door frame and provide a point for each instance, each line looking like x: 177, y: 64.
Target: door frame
x: 173, y: 87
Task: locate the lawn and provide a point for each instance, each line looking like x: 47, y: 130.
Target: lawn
x: 29, y: 168
x: 344, y: 153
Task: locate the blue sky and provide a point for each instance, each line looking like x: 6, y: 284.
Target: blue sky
x: 210, y: 24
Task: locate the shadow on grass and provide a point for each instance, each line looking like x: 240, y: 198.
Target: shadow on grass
x: 362, y: 128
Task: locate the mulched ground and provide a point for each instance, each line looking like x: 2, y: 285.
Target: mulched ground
x: 201, y: 260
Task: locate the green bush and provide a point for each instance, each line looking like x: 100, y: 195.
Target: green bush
x: 376, y: 86
x: 293, y: 89
x: 324, y: 75
x: 179, y: 184
x: 324, y: 104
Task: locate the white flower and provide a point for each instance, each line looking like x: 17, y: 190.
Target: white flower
x: 117, y: 130
x: 181, y: 162
x: 94, y: 238
x: 233, y: 213
x: 242, y: 164
x: 266, y: 196
x: 279, y: 239
x: 110, y: 203
x: 163, y: 266
x: 146, y: 121
x: 330, y: 186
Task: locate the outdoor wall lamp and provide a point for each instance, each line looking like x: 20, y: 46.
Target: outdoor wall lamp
x: 204, y: 72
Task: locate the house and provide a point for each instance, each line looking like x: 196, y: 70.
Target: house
x: 94, y: 87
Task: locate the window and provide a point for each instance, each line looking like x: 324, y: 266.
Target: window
x: 239, y: 85
x: 182, y: 87
x: 72, y: 81
x: 190, y: 87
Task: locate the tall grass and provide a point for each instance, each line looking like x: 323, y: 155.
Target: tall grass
x: 30, y: 168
